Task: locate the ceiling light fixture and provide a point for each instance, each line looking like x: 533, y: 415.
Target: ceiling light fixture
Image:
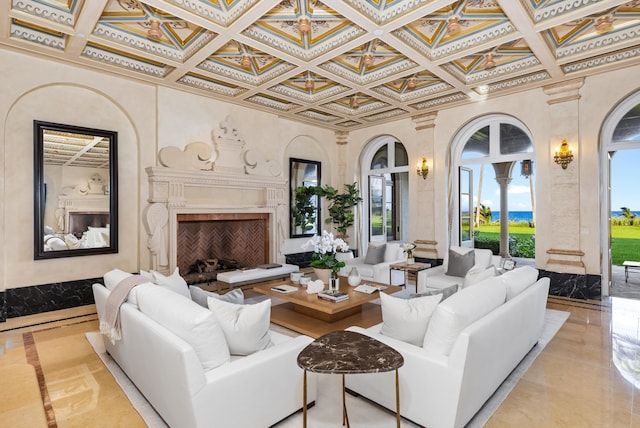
x: 367, y: 59
x: 604, y: 24
x: 489, y: 62
x: 354, y: 103
x: 154, y: 30
x: 454, y: 25
x: 412, y: 82
x: 304, y: 25
x: 245, y: 61
x: 309, y: 83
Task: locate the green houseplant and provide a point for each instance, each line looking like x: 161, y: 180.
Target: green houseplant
x: 340, y: 206
x: 304, y: 209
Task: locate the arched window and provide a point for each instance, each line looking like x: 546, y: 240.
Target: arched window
x: 493, y: 139
x: 620, y: 133
x: 385, y: 184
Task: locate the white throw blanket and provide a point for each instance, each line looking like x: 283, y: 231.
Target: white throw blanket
x: 110, y: 324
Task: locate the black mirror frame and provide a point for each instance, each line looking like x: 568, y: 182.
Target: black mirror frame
x: 292, y: 196
x: 40, y: 190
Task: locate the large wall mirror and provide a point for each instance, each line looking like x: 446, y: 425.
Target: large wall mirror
x: 76, y: 191
x: 304, y: 176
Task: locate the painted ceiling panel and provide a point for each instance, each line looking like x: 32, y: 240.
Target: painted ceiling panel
x: 338, y: 64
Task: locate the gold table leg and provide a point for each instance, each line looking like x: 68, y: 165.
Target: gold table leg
x: 345, y: 416
x: 397, y: 399
x: 304, y: 401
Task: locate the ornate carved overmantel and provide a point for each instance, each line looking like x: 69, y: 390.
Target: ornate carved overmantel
x: 209, y: 179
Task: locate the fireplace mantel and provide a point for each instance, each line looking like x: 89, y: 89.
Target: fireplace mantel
x: 175, y: 191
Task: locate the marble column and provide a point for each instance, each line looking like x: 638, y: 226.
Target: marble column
x: 423, y: 208
x: 562, y: 243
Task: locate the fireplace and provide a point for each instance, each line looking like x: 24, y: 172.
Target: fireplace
x: 231, y: 205
x: 240, y: 237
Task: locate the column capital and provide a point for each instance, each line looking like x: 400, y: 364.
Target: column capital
x: 564, y: 91
x: 342, y: 137
x: 425, y: 121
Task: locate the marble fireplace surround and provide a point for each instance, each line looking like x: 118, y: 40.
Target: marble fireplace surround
x: 209, y: 196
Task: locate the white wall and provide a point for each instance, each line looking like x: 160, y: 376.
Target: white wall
x: 146, y: 118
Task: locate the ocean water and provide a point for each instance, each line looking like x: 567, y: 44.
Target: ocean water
x: 528, y: 215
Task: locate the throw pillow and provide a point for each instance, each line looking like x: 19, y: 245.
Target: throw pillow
x: 519, y: 280
x: 173, y: 282
x: 246, y: 327
x: 200, y: 296
x: 461, y: 310
x: 375, y: 254
x: 459, y: 264
x: 113, y: 278
x: 186, y: 319
x: 393, y: 252
x: 472, y: 277
x: 446, y: 292
x: 407, y: 319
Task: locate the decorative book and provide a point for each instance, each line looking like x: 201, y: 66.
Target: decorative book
x: 284, y: 289
x: 369, y: 289
x: 333, y: 296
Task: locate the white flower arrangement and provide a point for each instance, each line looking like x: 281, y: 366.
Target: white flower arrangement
x: 408, y: 248
x: 324, y: 251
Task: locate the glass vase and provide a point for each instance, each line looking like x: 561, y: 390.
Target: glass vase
x: 334, y: 284
x: 410, y: 260
x: 354, y: 277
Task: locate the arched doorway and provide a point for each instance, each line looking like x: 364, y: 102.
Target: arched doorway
x: 384, y: 164
x: 620, y: 132
x: 503, y: 143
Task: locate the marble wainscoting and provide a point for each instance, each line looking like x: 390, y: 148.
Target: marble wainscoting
x: 17, y: 302
x: 585, y: 287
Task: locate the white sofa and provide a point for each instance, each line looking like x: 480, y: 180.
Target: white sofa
x: 257, y: 390
x: 380, y: 271
x: 485, y: 266
x: 462, y: 362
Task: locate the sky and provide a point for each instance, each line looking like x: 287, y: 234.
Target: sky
x: 624, y: 185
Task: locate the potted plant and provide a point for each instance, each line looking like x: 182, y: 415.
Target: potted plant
x: 323, y: 259
x: 341, y: 206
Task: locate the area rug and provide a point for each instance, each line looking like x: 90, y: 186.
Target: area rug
x: 326, y: 413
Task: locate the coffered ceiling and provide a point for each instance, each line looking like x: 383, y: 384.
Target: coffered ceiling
x: 340, y: 64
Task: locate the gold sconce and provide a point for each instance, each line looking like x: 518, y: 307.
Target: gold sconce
x: 564, y: 155
x: 423, y: 168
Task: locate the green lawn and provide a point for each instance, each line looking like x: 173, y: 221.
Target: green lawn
x: 625, y: 240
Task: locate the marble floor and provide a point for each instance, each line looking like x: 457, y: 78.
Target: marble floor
x: 588, y: 376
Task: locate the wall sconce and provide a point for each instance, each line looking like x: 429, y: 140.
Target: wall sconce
x: 564, y: 155
x: 423, y: 168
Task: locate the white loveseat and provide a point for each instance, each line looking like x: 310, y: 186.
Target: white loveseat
x: 378, y: 271
x: 473, y: 340
x: 485, y: 265
x: 257, y: 390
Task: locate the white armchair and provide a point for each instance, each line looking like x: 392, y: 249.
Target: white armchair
x: 374, y: 264
x: 483, y: 265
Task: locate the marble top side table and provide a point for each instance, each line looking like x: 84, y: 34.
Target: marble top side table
x: 347, y: 352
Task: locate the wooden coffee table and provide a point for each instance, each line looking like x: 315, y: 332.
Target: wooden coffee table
x: 310, y: 315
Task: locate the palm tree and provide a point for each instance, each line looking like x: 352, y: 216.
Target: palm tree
x: 627, y: 213
x: 484, y: 213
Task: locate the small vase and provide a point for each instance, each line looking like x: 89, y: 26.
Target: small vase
x: 410, y: 260
x: 323, y: 275
x: 334, y: 284
x: 354, y: 277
